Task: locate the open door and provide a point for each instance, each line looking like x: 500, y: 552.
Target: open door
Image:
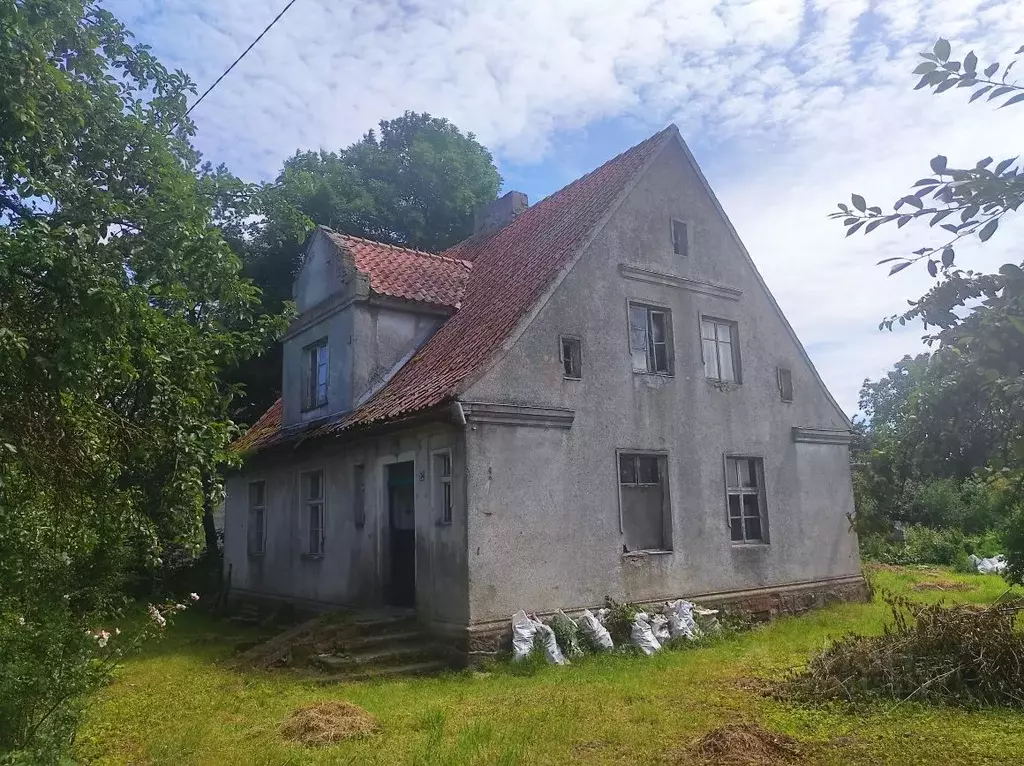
x: 402, y: 533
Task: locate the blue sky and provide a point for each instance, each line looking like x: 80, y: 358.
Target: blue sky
x: 788, y: 105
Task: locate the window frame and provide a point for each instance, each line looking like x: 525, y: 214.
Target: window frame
x: 442, y: 498
x: 579, y: 356
x: 307, y: 504
x: 261, y: 537
x: 734, y: 347
x: 782, y: 388
x: 651, y: 345
x: 687, y: 239
x: 662, y: 458
x: 761, y: 492
x: 359, y: 495
x: 315, y: 393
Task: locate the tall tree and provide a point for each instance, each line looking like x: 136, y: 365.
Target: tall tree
x: 978, y: 318
x: 120, y: 302
x: 416, y: 182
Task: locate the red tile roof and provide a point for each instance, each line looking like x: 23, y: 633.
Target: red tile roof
x: 511, y: 269
x: 403, y: 273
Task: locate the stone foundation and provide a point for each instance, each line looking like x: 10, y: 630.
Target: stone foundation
x: 489, y: 639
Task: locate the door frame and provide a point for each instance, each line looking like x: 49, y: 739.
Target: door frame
x: 384, y: 519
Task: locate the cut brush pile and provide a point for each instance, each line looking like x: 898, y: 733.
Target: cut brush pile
x: 965, y: 655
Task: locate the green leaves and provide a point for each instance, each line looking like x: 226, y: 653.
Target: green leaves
x: 858, y: 202
x: 941, y: 49
x: 988, y: 230
x: 938, y: 164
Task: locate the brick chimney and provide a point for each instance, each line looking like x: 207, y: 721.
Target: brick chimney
x: 497, y: 214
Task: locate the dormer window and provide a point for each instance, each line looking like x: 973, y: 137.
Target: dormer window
x: 314, y: 371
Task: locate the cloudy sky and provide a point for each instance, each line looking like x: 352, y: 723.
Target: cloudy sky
x: 788, y: 105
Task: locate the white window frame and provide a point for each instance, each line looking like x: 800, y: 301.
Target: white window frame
x: 310, y: 505
x: 649, y: 344
x: 687, y: 240
x: 736, y: 489
x: 315, y: 375
x: 257, y: 532
x: 579, y: 356
x: 442, y: 497
x: 711, y: 348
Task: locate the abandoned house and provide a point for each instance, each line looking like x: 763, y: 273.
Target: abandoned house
x: 593, y: 396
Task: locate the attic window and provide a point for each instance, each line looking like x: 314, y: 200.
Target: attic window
x: 680, y: 238
x: 785, y: 384
x: 572, y: 357
x: 314, y: 373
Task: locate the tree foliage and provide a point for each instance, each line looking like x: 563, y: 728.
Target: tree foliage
x: 120, y: 303
x: 961, y: 410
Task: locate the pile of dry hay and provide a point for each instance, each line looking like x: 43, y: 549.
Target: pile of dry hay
x: 745, y: 744
x: 965, y: 654
x: 326, y: 723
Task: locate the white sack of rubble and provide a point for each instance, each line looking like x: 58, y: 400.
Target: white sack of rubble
x: 598, y: 634
x: 659, y: 627
x: 523, y: 631
x: 680, y: 619
x: 551, y: 651
x: 643, y: 637
x: 994, y: 565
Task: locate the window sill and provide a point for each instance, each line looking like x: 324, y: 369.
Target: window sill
x: 256, y: 556
x: 750, y: 545
x: 724, y: 385
x: 645, y: 554
x: 311, y: 556
x: 442, y: 523
x: 572, y: 377
x: 307, y: 409
x: 654, y: 374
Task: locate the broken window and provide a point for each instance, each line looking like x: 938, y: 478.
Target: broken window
x: 643, y: 499
x: 744, y: 478
x: 719, y: 347
x: 313, y: 508
x: 359, y: 495
x: 785, y: 384
x: 443, y: 486
x: 572, y: 357
x: 650, y: 332
x: 680, y: 238
x: 314, y: 375
x: 257, y: 517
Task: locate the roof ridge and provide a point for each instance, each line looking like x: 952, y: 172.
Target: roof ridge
x: 390, y: 246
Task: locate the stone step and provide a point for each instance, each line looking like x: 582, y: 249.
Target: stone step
x: 422, y: 668
x: 385, y: 639
x: 381, y: 655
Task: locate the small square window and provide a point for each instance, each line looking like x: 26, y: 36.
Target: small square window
x: 744, y: 478
x: 785, y: 384
x: 680, y: 238
x: 572, y: 357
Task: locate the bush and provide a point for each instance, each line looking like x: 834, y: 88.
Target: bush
x: 924, y: 545
x: 961, y: 655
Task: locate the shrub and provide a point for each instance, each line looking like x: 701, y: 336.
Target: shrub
x: 962, y: 655
x: 924, y: 545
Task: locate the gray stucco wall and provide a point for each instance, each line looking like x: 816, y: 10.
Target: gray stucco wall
x: 353, y: 570
x: 544, y: 521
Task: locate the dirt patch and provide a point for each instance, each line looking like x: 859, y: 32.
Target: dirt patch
x: 755, y: 685
x: 745, y: 744
x: 326, y: 723
x: 944, y: 585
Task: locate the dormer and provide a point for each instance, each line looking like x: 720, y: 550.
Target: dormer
x: 364, y: 308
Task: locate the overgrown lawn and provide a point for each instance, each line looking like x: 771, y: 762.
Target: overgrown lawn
x: 176, y: 705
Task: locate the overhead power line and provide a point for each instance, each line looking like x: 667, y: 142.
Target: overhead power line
x: 216, y: 82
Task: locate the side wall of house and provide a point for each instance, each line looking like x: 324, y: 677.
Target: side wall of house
x: 355, y: 565
x: 544, y: 530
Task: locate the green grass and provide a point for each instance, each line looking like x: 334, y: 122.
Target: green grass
x: 177, y: 704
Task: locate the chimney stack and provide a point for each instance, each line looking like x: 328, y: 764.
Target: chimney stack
x: 499, y: 213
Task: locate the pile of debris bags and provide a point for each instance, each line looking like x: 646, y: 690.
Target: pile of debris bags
x: 648, y: 631
x: 994, y: 565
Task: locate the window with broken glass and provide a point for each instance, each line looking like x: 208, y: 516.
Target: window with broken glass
x: 644, y: 501
x: 314, y: 372
x: 718, y: 345
x: 650, y: 339
x: 572, y: 357
x: 745, y: 489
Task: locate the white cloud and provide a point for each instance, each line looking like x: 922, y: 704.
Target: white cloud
x: 790, y: 104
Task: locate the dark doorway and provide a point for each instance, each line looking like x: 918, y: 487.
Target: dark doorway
x: 402, y: 534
